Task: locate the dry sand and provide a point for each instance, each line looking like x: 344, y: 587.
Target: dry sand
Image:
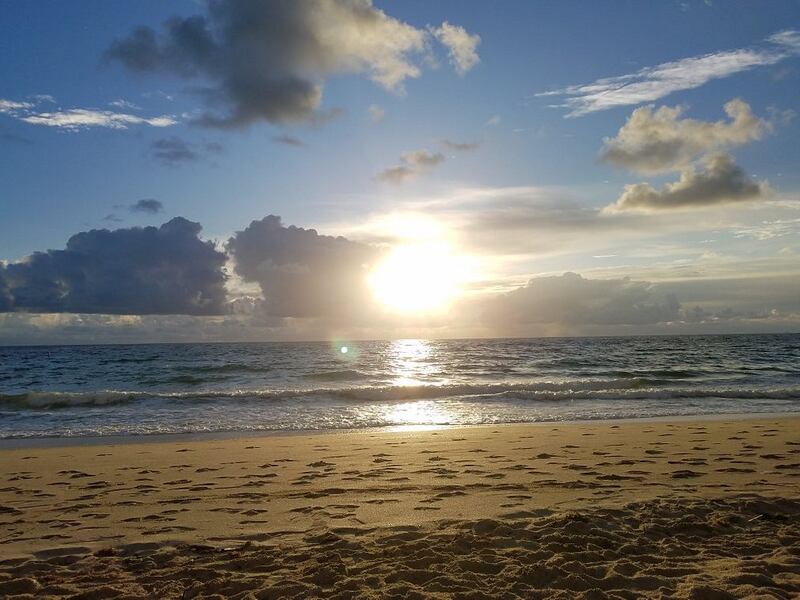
x: 684, y: 509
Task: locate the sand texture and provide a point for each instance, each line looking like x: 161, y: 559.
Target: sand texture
x: 684, y: 509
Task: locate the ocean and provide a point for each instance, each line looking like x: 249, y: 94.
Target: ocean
x: 69, y: 391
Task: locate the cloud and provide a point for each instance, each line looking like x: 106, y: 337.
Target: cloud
x: 173, y: 151
x: 147, y: 205
x: 120, y: 103
x: 570, y: 299
x: 769, y: 229
x: 720, y: 181
x: 411, y: 165
x: 493, y: 121
x: 12, y: 107
x: 460, y: 146
x: 75, y: 119
x: 376, y: 113
x: 164, y: 270
x: 660, y: 140
x: 268, y: 61
x: 13, y: 138
x: 651, y: 83
x: 461, y: 46
x: 289, y: 140
x: 302, y: 273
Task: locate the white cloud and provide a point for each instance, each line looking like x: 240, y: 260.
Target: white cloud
x: 12, y: 107
x: 461, y: 46
x: 73, y: 119
x: 120, y: 103
x: 660, y: 140
x: 769, y: 229
x: 651, y: 83
x: 80, y: 118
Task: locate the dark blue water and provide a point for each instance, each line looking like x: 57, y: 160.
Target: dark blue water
x: 171, y: 388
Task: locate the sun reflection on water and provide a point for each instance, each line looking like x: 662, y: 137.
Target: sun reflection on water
x: 413, y: 363
x: 410, y: 361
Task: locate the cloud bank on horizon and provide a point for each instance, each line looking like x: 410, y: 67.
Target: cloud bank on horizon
x: 308, y: 282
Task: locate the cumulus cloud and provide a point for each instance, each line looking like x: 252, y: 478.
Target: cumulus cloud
x: 164, y: 270
x: 720, y: 181
x: 147, y: 205
x: 302, y: 273
x: 412, y: 164
x: 659, y: 140
x: 173, y: 151
x: 461, y: 46
x: 570, y: 299
x: 651, y: 83
x: 267, y: 61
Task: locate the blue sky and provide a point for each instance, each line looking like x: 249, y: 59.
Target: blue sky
x: 59, y: 180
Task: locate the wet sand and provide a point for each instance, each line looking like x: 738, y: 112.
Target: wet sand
x: 683, y: 509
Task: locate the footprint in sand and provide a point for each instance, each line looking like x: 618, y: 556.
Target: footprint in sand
x: 686, y: 474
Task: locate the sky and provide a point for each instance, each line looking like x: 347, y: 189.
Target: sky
x: 242, y: 170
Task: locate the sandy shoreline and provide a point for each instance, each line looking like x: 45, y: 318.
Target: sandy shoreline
x: 512, y: 511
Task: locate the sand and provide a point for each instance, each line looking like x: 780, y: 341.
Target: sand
x: 682, y: 509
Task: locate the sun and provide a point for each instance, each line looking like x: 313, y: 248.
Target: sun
x: 421, y: 277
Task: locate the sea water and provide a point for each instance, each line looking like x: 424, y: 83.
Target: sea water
x: 210, y: 387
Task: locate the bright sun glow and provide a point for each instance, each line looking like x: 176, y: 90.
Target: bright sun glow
x: 422, y: 277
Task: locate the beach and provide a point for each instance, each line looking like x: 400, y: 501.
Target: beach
x: 682, y: 508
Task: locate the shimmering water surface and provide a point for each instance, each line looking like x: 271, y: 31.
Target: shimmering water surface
x: 173, y: 388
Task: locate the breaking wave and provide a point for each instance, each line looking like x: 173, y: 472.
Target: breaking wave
x: 608, y: 390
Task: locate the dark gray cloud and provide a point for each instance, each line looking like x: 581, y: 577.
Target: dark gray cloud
x: 720, y: 181
x: 302, y: 273
x: 289, y: 140
x: 13, y: 138
x: 267, y: 61
x: 150, y: 270
x: 412, y: 164
x: 147, y: 205
x: 174, y: 151
x: 460, y: 146
x: 570, y: 299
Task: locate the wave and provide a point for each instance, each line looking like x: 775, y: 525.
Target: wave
x: 343, y: 375
x: 66, y: 399
x: 620, y: 389
x: 226, y: 368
